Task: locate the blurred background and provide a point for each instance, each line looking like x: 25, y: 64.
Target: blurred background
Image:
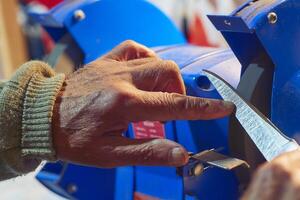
x: 21, y: 39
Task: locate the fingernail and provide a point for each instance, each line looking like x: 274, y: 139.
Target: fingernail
x: 177, y: 156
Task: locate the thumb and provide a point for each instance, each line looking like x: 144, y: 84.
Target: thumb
x: 162, y: 106
x: 147, y: 152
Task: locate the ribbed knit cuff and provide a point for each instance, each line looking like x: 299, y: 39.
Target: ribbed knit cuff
x: 37, y: 115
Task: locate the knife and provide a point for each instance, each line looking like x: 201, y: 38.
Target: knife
x: 270, y: 141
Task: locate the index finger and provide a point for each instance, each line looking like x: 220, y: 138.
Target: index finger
x: 162, y: 106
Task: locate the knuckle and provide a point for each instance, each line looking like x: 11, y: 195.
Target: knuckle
x: 180, y: 104
x: 171, y: 68
x: 176, y: 103
x: 147, y: 154
x: 116, y: 100
x: 170, y: 65
x: 129, y: 43
x: 204, y: 104
x: 123, y: 98
x: 155, y: 152
x: 201, y: 106
x: 141, y: 154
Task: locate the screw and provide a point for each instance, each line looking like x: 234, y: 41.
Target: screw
x: 197, y: 170
x: 272, y: 17
x: 227, y: 22
x: 79, y: 15
x: 72, y: 188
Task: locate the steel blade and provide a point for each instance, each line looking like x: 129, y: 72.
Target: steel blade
x: 270, y: 141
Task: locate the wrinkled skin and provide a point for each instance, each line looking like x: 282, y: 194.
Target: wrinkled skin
x: 129, y: 84
x: 277, y: 180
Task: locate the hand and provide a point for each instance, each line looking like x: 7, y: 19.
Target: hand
x: 129, y: 84
x: 277, y: 180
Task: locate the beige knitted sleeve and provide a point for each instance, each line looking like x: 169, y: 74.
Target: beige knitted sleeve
x: 26, y: 105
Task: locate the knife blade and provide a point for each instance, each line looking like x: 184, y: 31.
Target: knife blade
x: 270, y: 141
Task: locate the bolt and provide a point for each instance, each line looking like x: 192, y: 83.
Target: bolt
x: 72, y: 188
x: 272, y: 17
x: 79, y: 15
x: 227, y: 22
x: 197, y: 170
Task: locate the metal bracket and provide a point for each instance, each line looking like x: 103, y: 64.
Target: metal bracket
x: 199, y: 162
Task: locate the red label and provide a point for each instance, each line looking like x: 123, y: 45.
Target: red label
x: 148, y: 129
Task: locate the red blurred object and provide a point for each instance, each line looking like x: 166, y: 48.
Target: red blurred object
x: 47, y: 41
x: 197, y: 34
x: 47, y: 3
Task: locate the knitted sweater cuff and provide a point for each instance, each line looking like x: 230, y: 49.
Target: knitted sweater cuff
x: 39, y: 101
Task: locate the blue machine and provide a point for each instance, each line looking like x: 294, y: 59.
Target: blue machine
x: 262, y: 63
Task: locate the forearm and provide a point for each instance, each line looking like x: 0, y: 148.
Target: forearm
x: 26, y: 105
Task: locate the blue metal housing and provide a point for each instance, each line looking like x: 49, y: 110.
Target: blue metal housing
x: 254, y: 39
x: 107, y: 23
x: 278, y: 42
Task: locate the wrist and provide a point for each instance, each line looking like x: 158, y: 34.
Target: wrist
x: 59, y: 138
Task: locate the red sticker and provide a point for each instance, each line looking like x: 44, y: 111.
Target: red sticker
x: 148, y: 129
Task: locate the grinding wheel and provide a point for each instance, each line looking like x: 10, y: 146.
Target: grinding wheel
x: 256, y: 87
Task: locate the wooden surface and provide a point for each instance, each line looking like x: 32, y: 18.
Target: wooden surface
x: 12, y: 43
